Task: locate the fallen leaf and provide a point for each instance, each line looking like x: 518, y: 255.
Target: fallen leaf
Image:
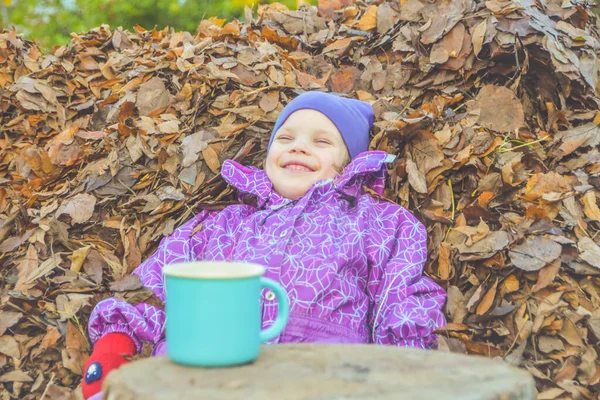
x: 69, y: 305
x: 75, y: 354
x: 533, y: 254
x: 499, y: 109
x: 444, y: 264
x: 487, y: 300
x: 546, y: 306
x: 416, y: 177
x: 449, y: 46
x: 16, y: 376
x: 581, y: 136
x: 44, y: 269
x: 590, y: 208
x: 588, y: 367
x: 80, y: 207
x: 328, y: 7
x: 571, y: 334
x: 269, y: 101
x: 568, y: 371
x: 546, y: 275
x: 479, y: 36
x: 8, y: 319
x: 128, y: 282
x: 474, y: 234
x: 492, y: 243
x: 369, y: 19
x: 426, y: 152
x: 548, y: 344
x: 50, y: 339
x: 78, y: 257
x: 510, y: 284
x: 212, y: 159
x: 9, y: 346
x: 589, y: 251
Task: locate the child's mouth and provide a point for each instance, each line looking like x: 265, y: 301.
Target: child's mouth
x: 297, y: 167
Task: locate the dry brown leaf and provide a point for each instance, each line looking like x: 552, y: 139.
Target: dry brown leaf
x: 474, y: 233
x: 8, y: 319
x: 590, y: 207
x: 426, y: 152
x: 588, y: 366
x: 568, y: 371
x: 510, y: 284
x: 369, y: 19
x: 581, y: 136
x: 478, y: 36
x: 78, y: 257
x: 490, y: 244
x: 212, y: 159
x: 80, y: 207
x: 76, y: 350
x: 546, y: 275
x: 533, y: 254
x: 269, y: 101
x: 488, y: 300
x: 328, y: 7
x: 416, y: 177
x: 449, y: 46
x: 128, y: 282
x: 26, y: 268
x: 10, y: 347
x: 50, y: 339
x: 499, y: 109
x: 546, y: 306
x: 69, y: 305
x: 571, y: 334
x: 444, y: 264
x: 548, y: 344
x: 16, y: 376
x: 589, y: 251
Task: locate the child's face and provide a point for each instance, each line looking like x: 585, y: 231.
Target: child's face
x: 306, y: 148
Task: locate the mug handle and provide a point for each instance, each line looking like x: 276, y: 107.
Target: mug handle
x: 283, y: 311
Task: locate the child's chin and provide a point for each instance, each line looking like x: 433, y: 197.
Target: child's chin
x: 292, y: 192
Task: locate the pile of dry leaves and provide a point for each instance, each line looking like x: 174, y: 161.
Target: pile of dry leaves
x: 110, y: 142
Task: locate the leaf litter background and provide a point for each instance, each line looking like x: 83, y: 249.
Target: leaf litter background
x: 113, y: 140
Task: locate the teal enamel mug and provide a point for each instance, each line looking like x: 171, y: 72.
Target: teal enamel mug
x: 213, y: 312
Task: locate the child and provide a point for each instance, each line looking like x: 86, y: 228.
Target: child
x: 351, y: 263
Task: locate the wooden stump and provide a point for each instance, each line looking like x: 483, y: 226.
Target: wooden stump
x: 319, y: 372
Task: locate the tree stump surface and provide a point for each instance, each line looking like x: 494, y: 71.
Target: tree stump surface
x: 320, y: 372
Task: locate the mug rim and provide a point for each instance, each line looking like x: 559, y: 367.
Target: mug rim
x: 214, y: 270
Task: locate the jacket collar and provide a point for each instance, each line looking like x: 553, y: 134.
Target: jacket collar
x: 367, y: 169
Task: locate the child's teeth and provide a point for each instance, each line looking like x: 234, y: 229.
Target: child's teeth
x: 298, y: 167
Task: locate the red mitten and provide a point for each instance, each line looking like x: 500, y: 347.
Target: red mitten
x: 108, y: 354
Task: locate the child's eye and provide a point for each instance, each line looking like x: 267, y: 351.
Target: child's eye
x: 284, y: 138
x: 323, y: 141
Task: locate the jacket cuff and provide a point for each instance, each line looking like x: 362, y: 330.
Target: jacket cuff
x: 115, y: 343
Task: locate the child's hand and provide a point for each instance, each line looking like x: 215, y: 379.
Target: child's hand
x: 109, y: 353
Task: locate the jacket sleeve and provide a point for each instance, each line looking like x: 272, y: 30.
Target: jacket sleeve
x: 145, y: 322
x: 407, y: 306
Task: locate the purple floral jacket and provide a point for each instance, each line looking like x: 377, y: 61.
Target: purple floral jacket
x: 351, y: 264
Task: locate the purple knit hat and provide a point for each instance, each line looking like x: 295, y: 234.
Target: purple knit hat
x: 353, y: 118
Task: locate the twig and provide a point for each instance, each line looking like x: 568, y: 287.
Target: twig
x: 517, y: 336
x: 50, y: 382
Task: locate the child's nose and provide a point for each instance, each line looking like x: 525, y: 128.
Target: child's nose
x: 299, y: 146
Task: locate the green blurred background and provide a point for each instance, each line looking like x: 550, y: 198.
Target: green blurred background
x: 50, y: 22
